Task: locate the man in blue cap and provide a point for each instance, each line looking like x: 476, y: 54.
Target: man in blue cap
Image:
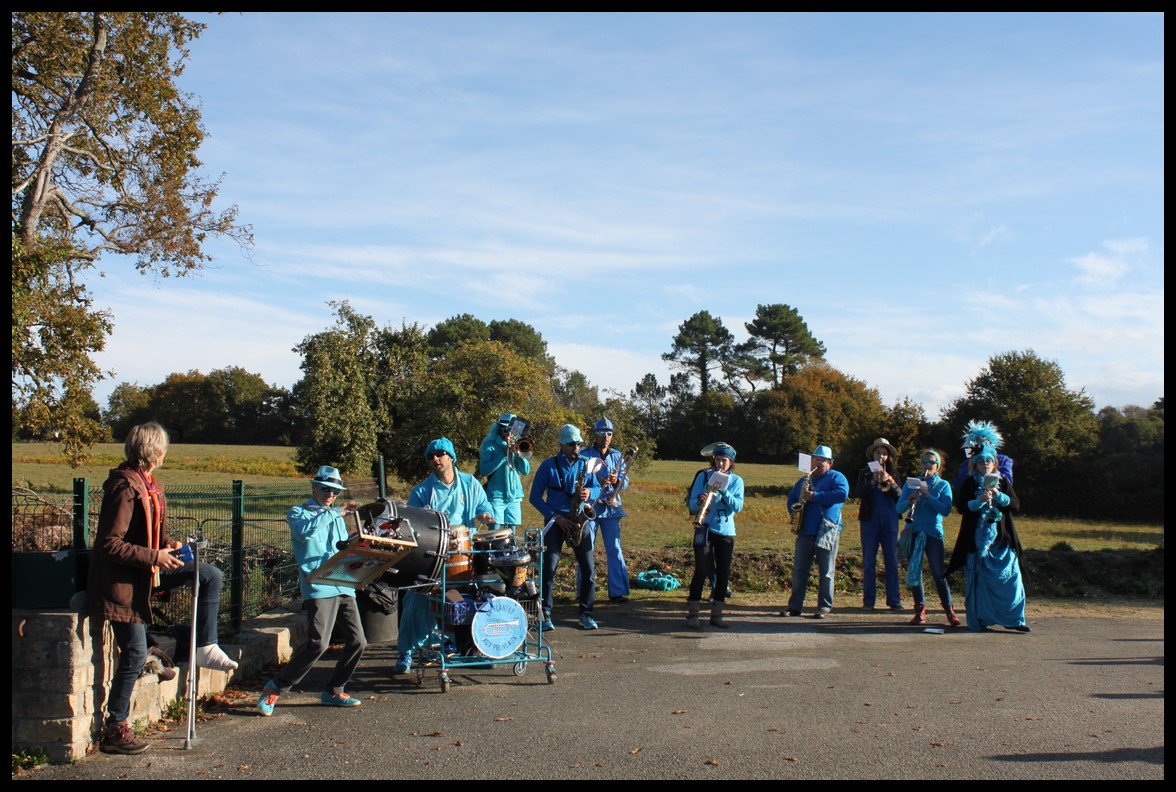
x: 462, y: 500
x: 822, y: 492
x: 563, y: 489
x: 316, y: 527
x: 503, y: 465
x: 613, y: 479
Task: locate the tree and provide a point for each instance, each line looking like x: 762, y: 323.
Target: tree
x: 573, y: 390
x: 702, y: 344
x: 455, y: 331
x: 103, y: 160
x: 781, y: 339
x: 524, y: 339
x: 128, y: 405
x: 649, y: 399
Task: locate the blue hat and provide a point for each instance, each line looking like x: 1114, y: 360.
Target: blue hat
x: 568, y: 433
x: 724, y: 450
x: 603, y: 425
x: 328, y: 476
x: 444, y: 445
x: 823, y: 451
x: 505, y: 419
x: 986, y: 452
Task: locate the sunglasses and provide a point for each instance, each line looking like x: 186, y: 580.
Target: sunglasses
x: 436, y: 454
x: 929, y: 461
x: 574, y: 443
x: 604, y: 434
x: 328, y: 490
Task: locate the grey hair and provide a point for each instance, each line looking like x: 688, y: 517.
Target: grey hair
x: 146, y: 445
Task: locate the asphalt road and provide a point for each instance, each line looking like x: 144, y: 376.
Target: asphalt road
x: 856, y: 695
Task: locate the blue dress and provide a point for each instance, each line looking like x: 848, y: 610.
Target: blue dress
x: 989, y: 553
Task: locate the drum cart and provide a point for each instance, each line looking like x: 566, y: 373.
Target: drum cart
x: 499, y: 600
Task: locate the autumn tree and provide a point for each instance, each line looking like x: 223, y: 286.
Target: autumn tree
x: 104, y: 147
x: 701, y: 346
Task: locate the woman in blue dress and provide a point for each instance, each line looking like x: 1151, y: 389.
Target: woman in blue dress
x: 988, y: 548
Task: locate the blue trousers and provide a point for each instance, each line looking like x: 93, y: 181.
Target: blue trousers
x: 553, y: 542
x: 132, y: 655
x: 618, y: 572
x: 934, y: 555
x: 880, y: 532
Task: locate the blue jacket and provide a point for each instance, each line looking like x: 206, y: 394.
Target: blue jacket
x: 552, y: 489
x: 930, y: 509
x: 611, y: 461
x: 314, y: 531
x: 829, y: 494
x: 503, y: 475
x: 720, y: 517
x: 460, y: 503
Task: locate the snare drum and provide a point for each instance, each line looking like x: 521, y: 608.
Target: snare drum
x: 460, y: 566
x: 489, y: 545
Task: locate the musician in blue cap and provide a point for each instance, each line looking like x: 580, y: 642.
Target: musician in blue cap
x: 562, y: 491
x: 822, y: 493
x: 503, y: 464
x: 461, y: 498
x: 614, y: 478
x: 316, y: 527
x: 714, y: 508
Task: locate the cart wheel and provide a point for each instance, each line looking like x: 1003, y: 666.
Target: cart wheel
x: 520, y: 669
x: 444, y: 683
x: 551, y: 673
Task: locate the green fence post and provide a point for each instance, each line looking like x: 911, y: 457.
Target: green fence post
x: 81, y: 513
x: 237, y: 587
x: 379, y: 476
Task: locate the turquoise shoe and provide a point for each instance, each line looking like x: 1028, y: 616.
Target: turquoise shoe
x: 268, y: 700
x: 338, y: 699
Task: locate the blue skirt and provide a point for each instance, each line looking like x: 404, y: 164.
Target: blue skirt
x: 995, y: 596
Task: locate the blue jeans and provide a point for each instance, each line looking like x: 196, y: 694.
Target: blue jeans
x: 618, y: 572
x: 802, y: 561
x: 553, y: 542
x: 207, y: 604
x: 880, y: 532
x: 934, y: 555
x: 132, y: 655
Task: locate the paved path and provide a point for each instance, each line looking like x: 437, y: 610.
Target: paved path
x: 857, y: 695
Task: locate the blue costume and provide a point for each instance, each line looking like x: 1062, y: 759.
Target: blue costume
x: 819, y: 535
x: 879, y: 529
x: 608, y: 518
x: 989, y: 551
x: 553, y: 494
x: 503, y: 470
x: 927, y: 540
x: 461, y: 502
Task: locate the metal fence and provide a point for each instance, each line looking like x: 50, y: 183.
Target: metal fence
x: 245, y: 525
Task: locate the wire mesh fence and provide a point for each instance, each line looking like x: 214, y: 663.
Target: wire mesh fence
x: 244, y: 525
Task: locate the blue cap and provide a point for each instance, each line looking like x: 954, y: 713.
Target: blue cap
x: 328, y: 476
x: 603, y: 425
x: 568, y: 433
x: 724, y: 450
x: 823, y: 451
x: 444, y: 445
x: 505, y: 419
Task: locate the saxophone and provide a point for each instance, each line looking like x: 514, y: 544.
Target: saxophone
x: 627, y: 457
x: 799, y: 507
x: 583, y: 512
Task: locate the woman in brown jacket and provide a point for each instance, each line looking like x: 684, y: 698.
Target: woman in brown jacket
x: 134, y: 555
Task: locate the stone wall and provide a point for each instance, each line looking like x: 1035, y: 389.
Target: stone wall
x: 62, y: 667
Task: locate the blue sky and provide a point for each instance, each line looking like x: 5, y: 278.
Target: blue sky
x: 928, y: 190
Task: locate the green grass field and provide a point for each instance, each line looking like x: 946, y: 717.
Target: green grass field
x: 657, y: 518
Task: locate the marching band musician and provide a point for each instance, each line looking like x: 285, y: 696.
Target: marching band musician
x: 613, y: 481
x: 555, y: 495
x: 823, y: 492
x: 316, y: 528
x: 928, y: 504
x: 878, y: 492
x: 462, y: 500
x: 503, y: 466
x: 714, y: 543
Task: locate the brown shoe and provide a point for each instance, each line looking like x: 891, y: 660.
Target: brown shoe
x: 120, y: 739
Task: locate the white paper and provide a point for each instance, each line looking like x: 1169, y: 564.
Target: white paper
x: 718, y: 480
x: 804, y: 463
x: 875, y: 467
x: 914, y: 483
x: 934, y: 630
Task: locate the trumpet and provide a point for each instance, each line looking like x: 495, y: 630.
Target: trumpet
x: 522, y: 446
x: 627, y: 457
x: 801, y: 504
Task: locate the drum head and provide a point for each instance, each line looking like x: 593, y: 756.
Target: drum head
x: 499, y: 627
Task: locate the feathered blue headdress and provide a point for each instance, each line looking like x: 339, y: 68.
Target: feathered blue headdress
x: 978, y: 433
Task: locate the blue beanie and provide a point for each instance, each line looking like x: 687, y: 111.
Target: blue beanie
x: 441, y: 444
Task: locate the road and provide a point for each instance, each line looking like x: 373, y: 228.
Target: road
x: 857, y: 695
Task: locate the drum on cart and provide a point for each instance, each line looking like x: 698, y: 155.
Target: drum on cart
x: 430, y: 529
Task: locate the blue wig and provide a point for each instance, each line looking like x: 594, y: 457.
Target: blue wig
x: 981, y: 433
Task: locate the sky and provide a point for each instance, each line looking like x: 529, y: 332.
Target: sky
x: 927, y: 190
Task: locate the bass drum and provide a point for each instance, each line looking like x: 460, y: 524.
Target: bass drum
x: 425, y: 562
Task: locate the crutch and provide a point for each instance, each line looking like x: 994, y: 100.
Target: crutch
x: 196, y: 544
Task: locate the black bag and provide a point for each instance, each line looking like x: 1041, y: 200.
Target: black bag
x: 381, y: 597
x: 174, y: 641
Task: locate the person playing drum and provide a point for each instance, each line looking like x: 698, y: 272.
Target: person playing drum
x: 461, y: 498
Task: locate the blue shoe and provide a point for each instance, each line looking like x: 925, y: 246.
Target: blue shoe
x: 403, y: 665
x: 268, y: 700
x: 587, y: 622
x: 546, y: 625
x: 338, y: 699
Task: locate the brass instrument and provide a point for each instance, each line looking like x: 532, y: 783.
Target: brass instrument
x: 583, y: 512
x: 627, y: 457
x: 714, y: 485
x: 524, y: 446
x: 801, y: 504
x: 515, y: 442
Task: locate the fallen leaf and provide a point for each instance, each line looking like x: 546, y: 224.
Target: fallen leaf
x: 635, y: 751
x: 710, y: 762
x: 504, y: 718
x: 939, y: 744
x: 678, y: 712
x: 1032, y: 717
x: 867, y: 704
x: 242, y: 768
x: 599, y: 764
x: 459, y: 743
x: 577, y: 764
x: 791, y: 759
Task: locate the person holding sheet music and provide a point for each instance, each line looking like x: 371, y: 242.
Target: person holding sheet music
x: 822, y: 492
x: 877, y: 488
x: 714, y: 505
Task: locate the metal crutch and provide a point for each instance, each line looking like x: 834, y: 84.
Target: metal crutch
x: 196, y: 544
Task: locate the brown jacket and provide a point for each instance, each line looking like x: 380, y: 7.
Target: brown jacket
x: 119, y: 587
